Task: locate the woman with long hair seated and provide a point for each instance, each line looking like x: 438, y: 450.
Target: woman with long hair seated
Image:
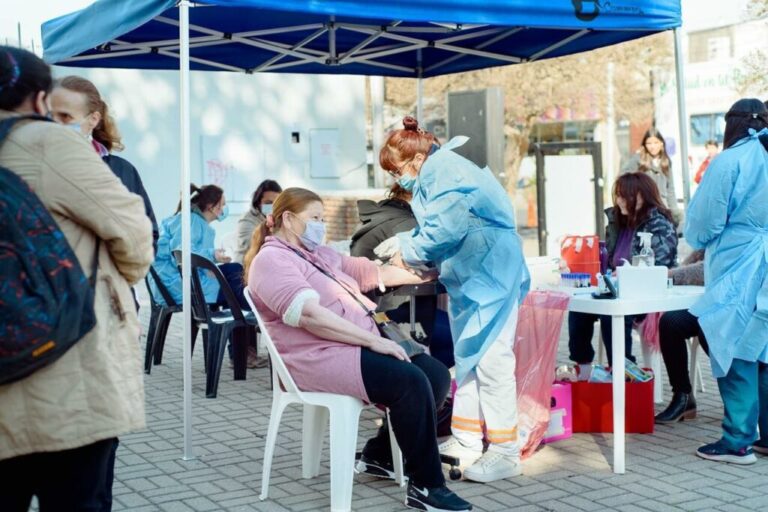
x: 309, y: 298
x: 638, y: 208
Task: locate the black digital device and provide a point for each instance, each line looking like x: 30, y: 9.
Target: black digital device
x: 612, y: 292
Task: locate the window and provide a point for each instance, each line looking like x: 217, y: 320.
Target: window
x: 718, y: 48
x: 707, y: 126
x: 712, y: 44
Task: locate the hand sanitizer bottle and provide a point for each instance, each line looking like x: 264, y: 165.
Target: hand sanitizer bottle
x: 646, y: 258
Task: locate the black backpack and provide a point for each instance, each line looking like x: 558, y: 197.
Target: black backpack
x: 46, y: 301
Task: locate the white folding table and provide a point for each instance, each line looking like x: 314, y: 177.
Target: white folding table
x: 678, y: 297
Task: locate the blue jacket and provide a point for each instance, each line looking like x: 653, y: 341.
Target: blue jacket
x: 728, y: 217
x: 467, y: 228
x: 202, y: 243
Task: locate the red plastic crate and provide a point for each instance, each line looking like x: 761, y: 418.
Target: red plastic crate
x: 592, y: 405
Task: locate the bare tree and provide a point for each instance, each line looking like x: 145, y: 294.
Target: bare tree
x: 577, y: 82
x: 752, y: 74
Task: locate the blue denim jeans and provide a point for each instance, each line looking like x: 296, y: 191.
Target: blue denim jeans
x: 745, y: 402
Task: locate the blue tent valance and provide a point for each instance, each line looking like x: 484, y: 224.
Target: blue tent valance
x: 361, y: 37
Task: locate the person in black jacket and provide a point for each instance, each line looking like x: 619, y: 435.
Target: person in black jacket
x: 77, y: 103
x: 638, y: 208
x: 381, y: 221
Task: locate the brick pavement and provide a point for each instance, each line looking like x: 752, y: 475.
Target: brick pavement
x: 572, y: 475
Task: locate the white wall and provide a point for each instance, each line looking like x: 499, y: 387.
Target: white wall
x: 243, y: 121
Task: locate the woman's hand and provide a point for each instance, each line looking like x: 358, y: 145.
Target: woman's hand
x: 221, y: 256
x: 389, y: 348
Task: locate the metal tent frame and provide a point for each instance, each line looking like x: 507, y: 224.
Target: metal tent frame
x: 293, y: 48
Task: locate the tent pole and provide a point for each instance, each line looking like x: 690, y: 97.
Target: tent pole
x: 376, y: 84
x: 419, y: 90
x: 186, y: 260
x: 682, y: 115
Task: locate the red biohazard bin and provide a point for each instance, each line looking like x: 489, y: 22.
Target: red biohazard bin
x: 582, y: 254
x: 592, y: 405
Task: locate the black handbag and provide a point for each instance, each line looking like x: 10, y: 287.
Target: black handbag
x: 387, y: 328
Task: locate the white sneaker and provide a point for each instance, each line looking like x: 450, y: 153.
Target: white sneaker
x: 453, y: 448
x: 493, y: 466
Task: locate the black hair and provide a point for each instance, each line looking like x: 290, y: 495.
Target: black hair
x: 203, y: 197
x: 712, y: 142
x: 264, y: 186
x: 744, y: 114
x: 22, y: 75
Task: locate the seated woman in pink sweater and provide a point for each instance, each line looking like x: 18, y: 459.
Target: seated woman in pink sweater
x: 304, y: 293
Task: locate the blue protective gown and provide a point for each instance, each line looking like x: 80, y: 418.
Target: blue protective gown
x: 202, y: 243
x: 467, y: 229
x: 728, y: 217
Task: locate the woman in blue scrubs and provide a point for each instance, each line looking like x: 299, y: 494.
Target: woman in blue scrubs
x: 728, y: 217
x: 466, y: 228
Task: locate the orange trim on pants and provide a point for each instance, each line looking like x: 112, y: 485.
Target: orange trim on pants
x: 467, y: 424
x: 502, y: 435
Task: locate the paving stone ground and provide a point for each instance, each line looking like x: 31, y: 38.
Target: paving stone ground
x: 663, y: 474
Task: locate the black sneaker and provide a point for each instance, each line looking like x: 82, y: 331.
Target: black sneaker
x: 434, y: 499
x: 720, y: 453
x: 367, y: 465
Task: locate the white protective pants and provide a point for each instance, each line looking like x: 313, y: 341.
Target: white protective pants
x: 487, y: 399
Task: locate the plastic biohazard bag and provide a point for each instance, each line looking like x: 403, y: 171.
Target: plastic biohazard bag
x: 538, y: 330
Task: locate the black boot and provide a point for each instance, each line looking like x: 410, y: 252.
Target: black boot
x: 682, y: 407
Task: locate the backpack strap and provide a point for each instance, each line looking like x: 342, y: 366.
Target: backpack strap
x: 7, y: 124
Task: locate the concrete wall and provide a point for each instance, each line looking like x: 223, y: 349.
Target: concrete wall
x: 242, y: 128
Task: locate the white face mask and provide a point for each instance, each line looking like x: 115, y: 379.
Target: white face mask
x: 313, y: 235
x: 266, y: 209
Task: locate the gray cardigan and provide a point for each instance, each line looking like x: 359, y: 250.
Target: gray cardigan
x: 245, y: 228
x: 691, y: 272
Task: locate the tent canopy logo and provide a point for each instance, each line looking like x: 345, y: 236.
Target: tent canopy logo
x: 586, y: 10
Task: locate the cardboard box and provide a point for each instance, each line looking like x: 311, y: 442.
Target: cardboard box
x: 592, y: 405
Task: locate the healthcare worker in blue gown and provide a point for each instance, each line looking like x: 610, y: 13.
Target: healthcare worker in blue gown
x: 466, y: 228
x: 728, y: 217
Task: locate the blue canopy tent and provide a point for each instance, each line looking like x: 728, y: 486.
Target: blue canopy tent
x: 402, y: 38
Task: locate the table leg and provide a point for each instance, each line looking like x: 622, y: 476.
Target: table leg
x: 618, y: 343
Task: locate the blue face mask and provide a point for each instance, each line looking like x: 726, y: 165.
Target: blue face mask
x: 313, y: 235
x: 266, y: 209
x: 224, y: 213
x: 407, y: 182
x: 76, y: 126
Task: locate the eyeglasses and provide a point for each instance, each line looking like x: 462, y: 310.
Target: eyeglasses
x: 399, y: 171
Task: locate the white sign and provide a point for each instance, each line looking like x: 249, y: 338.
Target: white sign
x: 324, y: 149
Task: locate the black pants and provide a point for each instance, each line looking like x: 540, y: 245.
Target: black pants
x: 233, y: 273
x: 674, y: 328
x: 411, y: 391
x: 71, y: 480
x: 581, y: 327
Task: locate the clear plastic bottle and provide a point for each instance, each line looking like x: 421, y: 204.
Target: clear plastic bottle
x: 646, y: 258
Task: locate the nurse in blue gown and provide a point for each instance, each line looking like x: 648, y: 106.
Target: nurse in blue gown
x: 466, y: 229
x: 728, y: 217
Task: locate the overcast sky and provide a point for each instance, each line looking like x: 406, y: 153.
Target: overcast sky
x: 31, y: 13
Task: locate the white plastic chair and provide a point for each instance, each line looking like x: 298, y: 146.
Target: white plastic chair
x: 695, y: 371
x: 344, y: 414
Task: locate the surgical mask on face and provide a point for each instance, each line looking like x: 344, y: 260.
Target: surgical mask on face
x: 266, y: 209
x: 78, y: 127
x: 407, y: 182
x: 313, y: 236
x: 224, y: 213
